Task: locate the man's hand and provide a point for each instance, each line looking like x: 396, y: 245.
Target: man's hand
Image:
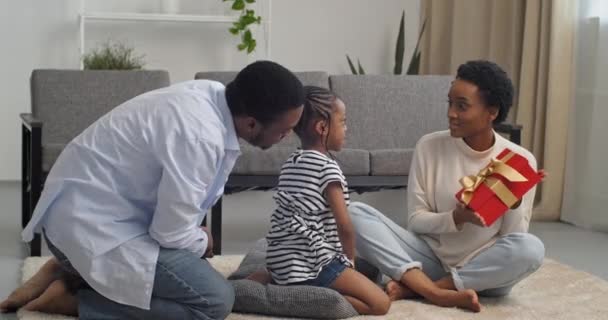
x: 463, y: 214
x: 209, y: 251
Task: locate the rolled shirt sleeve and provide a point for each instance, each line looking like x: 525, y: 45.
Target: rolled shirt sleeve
x: 189, y: 167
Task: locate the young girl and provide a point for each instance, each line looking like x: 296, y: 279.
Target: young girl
x: 311, y: 240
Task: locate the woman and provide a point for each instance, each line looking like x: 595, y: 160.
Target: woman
x: 447, y: 254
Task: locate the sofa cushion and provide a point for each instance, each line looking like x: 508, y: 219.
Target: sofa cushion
x: 254, y: 161
x: 253, y: 261
x: 283, y: 301
x: 248, y: 164
x: 50, y: 153
x: 314, y: 78
x: 387, y: 111
x: 68, y: 101
x: 391, y: 162
x: 290, y: 301
x: 353, y: 161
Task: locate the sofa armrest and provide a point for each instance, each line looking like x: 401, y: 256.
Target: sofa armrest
x: 513, y: 130
x: 30, y: 121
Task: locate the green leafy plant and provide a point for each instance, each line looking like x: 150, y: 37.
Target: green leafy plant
x: 113, y: 56
x: 241, y: 26
x: 414, y: 66
x: 352, y: 66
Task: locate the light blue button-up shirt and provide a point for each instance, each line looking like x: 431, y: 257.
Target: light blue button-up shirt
x: 141, y: 177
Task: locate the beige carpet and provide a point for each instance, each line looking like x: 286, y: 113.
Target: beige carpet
x: 554, y: 292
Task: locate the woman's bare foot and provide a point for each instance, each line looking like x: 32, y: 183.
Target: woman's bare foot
x: 32, y: 288
x: 466, y: 299
x: 397, y: 291
x: 56, y: 299
x: 261, y: 276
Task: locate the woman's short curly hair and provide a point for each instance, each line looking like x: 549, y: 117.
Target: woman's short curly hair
x: 494, y: 84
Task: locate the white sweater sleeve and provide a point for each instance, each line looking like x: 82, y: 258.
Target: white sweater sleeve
x: 422, y: 218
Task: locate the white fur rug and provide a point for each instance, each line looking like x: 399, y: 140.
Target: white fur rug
x: 555, y: 292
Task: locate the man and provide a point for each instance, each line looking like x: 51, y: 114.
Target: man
x: 122, y: 205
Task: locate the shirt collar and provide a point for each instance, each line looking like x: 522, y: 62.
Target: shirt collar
x: 231, y: 139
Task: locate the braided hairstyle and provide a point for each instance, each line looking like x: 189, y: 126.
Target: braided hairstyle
x: 318, y: 105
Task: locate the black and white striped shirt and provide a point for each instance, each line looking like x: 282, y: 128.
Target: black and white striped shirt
x: 303, y: 234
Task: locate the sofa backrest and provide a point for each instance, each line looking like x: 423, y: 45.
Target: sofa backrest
x: 68, y: 101
x: 313, y: 78
x: 395, y: 111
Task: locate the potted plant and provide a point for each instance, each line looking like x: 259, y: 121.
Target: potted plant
x: 414, y: 65
x: 113, y: 56
x: 240, y: 28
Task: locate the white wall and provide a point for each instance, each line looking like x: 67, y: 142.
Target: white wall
x: 306, y: 35
x: 585, y: 194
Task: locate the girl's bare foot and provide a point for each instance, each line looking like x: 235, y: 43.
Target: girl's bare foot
x: 397, y: 291
x: 56, y: 299
x: 466, y: 299
x: 33, y: 288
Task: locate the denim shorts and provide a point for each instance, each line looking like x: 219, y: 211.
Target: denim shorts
x: 328, y: 275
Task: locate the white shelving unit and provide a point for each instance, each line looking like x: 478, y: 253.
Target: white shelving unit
x: 89, y: 17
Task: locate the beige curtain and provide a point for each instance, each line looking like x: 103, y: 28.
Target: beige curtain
x: 533, y: 41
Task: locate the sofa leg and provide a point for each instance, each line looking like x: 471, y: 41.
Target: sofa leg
x: 36, y: 246
x: 216, y: 227
x: 25, y: 192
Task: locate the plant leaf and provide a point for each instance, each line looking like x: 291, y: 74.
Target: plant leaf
x: 247, y: 36
x: 238, y: 5
x: 240, y: 27
x: 351, y: 65
x: 414, y: 66
x: 360, y: 67
x: 400, y: 47
x: 251, y: 46
x: 247, y: 19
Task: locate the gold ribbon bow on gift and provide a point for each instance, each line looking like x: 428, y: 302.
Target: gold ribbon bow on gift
x: 498, y: 166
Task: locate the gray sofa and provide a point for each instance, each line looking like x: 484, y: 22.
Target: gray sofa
x: 395, y: 112
x: 386, y: 115
x: 64, y: 103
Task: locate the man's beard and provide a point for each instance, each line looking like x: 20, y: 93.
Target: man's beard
x: 257, y: 141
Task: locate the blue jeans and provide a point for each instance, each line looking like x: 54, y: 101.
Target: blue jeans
x: 493, y: 272
x: 328, y: 275
x: 185, y: 287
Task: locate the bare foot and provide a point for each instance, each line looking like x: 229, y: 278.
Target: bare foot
x: 56, y: 299
x: 397, y: 291
x: 466, y: 299
x: 261, y: 276
x: 32, y: 288
x: 470, y: 300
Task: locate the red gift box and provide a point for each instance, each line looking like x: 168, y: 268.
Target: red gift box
x: 498, y: 186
